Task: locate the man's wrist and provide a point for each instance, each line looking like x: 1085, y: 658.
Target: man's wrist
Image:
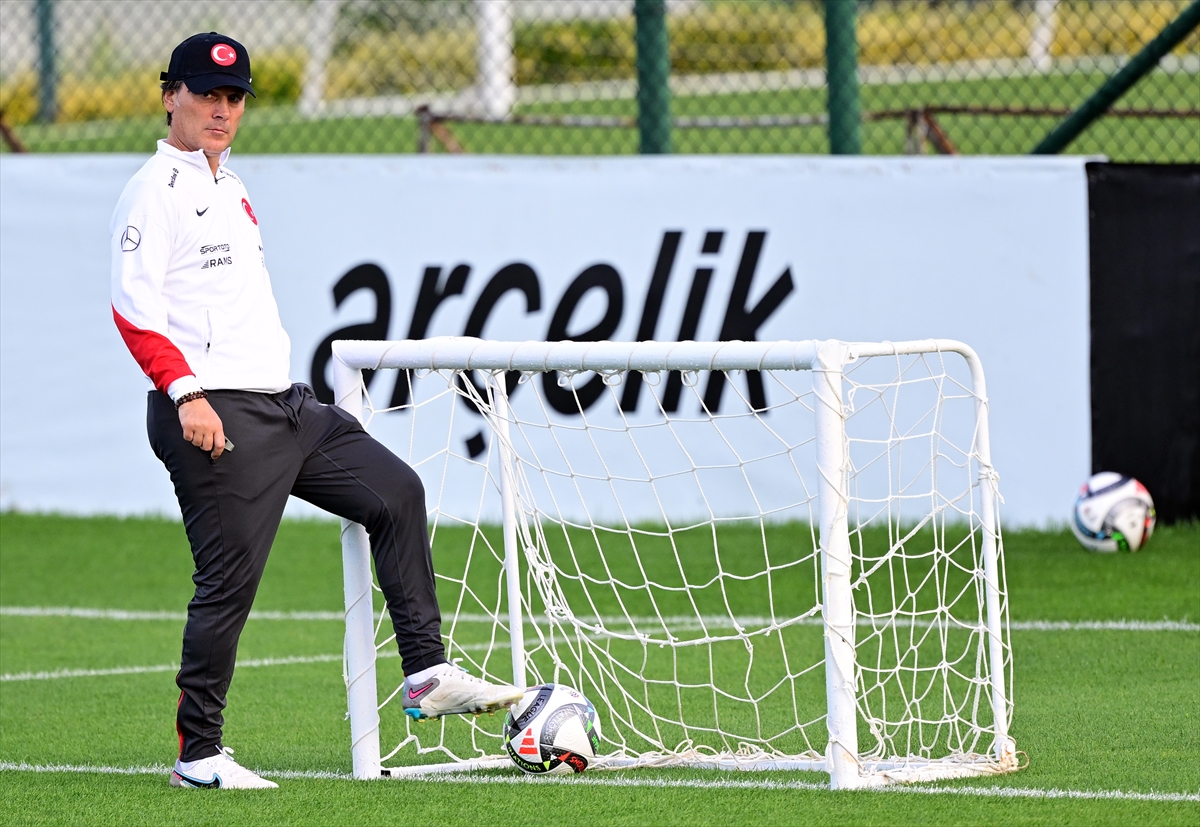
x: 192, y: 396
x: 183, y: 385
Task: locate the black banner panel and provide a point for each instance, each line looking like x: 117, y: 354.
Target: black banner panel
x: 1145, y: 326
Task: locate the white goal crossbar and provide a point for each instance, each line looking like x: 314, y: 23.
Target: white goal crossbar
x: 827, y: 360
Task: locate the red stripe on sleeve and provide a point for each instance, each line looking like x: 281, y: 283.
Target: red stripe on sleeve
x: 155, y: 354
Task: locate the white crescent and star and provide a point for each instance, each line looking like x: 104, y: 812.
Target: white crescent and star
x: 223, y: 54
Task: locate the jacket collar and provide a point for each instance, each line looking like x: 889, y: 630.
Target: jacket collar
x: 197, y: 159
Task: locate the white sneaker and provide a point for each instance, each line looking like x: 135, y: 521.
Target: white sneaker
x: 451, y: 691
x: 218, y: 772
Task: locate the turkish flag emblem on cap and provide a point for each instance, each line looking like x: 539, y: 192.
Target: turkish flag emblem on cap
x: 223, y: 54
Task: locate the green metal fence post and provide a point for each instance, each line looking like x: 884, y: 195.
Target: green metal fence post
x: 841, y: 66
x: 47, y: 70
x: 1117, y: 85
x: 653, y: 72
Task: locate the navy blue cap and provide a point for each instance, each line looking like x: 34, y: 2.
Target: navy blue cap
x: 206, y: 61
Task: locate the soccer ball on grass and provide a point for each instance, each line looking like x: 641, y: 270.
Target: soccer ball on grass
x: 552, y: 729
x: 1113, y: 513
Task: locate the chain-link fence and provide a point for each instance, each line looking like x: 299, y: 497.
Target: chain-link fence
x: 615, y: 76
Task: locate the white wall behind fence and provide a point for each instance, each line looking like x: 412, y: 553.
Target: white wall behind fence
x: 989, y: 251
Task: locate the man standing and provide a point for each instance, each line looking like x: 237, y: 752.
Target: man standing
x: 193, y: 302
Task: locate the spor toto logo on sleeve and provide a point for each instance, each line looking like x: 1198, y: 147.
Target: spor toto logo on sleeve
x: 224, y: 55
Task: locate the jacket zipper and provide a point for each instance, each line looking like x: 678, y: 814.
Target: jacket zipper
x: 208, y: 335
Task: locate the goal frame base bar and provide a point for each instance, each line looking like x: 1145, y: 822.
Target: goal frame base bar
x: 872, y: 773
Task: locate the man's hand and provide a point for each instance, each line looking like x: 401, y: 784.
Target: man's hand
x: 202, y: 427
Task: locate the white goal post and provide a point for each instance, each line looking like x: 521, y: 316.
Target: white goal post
x: 684, y: 562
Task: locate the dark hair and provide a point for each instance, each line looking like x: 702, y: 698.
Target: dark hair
x: 171, y: 86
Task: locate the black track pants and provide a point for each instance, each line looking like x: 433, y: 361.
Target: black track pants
x: 284, y: 444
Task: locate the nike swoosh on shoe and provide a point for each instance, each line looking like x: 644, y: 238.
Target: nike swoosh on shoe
x: 412, y: 696
x: 211, y: 785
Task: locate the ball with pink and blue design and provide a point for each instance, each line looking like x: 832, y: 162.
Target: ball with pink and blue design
x: 553, y: 729
x: 1113, y: 513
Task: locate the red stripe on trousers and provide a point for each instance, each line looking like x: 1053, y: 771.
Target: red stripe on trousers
x: 179, y: 729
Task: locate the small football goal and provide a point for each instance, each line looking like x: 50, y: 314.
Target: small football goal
x: 747, y: 555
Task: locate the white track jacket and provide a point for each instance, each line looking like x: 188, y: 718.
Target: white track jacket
x: 190, y: 291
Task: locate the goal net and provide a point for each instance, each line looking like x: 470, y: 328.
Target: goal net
x: 746, y: 555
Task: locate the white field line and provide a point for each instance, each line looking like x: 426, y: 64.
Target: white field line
x: 1104, y: 626
x: 673, y: 622
x: 126, y: 614
x: 163, y: 667
x: 600, y: 780
x: 153, y: 769
x: 624, y: 781
x: 59, y: 674
x: 1037, y: 626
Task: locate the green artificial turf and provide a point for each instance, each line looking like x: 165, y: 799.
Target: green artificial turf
x: 1095, y: 710
x: 281, y: 130
x: 96, y: 799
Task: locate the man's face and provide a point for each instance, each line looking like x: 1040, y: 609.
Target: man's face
x: 207, y: 121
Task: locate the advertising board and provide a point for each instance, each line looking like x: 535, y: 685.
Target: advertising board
x: 990, y: 251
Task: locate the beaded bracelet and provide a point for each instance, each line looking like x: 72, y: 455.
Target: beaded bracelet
x: 190, y: 397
